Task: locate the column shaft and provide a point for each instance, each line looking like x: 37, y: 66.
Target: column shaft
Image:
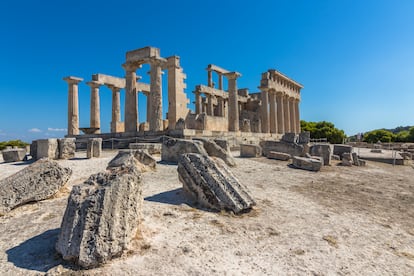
x: 286, y: 114
x: 280, y: 114
x: 273, y: 119
x: 233, y: 117
x: 220, y: 80
x: 198, y: 103
x: 210, y: 78
x: 116, y: 109
x: 155, y: 120
x: 297, y: 116
x: 95, y: 120
x: 73, y: 105
x: 265, y: 111
x: 210, y: 107
x: 292, y: 115
x: 131, y: 100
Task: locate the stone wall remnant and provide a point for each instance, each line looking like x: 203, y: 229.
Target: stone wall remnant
x: 250, y: 150
x: 13, y: 155
x: 305, y: 163
x: 94, y: 147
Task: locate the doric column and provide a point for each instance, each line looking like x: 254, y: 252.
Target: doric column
x: 210, y: 106
x: 280, y: 113
x: 210, y: 78
x: 220, y: 80
x: 220, y: 103
x: 286, y: 112
x: 131, y: 99
x: 95, y: 118
x: 273, y: 119
x: 198, y: 103
x: 73, y: 105
x: 233, y: 116
x: 292, y: 115
x: 155, y: 120
x: 116, y: 108
x: 297, y: 115
x: 265, y: 111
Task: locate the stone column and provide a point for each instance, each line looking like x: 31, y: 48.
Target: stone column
x: 273, y: 119
x: 297, y: 115
x: 265, y: 111
x: 220, y: 80
x: 286, y: 113
x: 210, y: 78
x: 95, y: 118
x: 280, y: 113
x: 73, y: 105
x: 233, y: 101
x: 131, y: 99
x: 220, y: 103
x: 292, y: 115
x: 155, y: 120
x: 198, y: 103
x: 116, y: 108
x: 210, y: 106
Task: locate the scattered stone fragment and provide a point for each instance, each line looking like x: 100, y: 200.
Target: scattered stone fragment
x: 215, y: 150
x: 94, y: 147
x: 13, y: 155
x: 290, y: 137
x: 305, y: 163
x: 223, y: 143
x: 304, y: 137
x: 102, y: 216
x: 126, y: 158
x: 173, y: 148
x: 38, y: 181
x: 347, y: 159
x: 67, y: 148
x: 212, y: 184
x: 152, y: 148
x: 278, y: 155
x: 339, y: 149
x: 47, y: 148
x: 323, y: 150
x: 250, y: 150
x: 290, y: 148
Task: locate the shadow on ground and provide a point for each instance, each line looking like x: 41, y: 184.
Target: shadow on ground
x: 37, y: 253
x: 173, y: 197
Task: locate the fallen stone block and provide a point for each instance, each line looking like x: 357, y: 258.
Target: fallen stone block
x: 123, y: 158
x: 278, y: 155
x: 67, y: 148
x: 323, y: 150
x: 250, y: 150
x: 36, y: 182
x: 215, y: 150
x: 304, y: 137
x: 47, y: 148
x: 223, y: 143
x: 173, y: 148
x: 212, y: 184
x: 290, y: 137
x: 152, y: 148
x: 347, y: 159
x: 305, y: 163
x: 289, y: 148
x: 339, y: 149
x: 13, y: 155
x: 335, y: 157
x: 94, y: 148
x: 102, y: 216
x: 319, y: 158
x: 376, y: 150
x: 33, y: 150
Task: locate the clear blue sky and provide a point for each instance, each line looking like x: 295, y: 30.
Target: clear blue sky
x: 355, y: 58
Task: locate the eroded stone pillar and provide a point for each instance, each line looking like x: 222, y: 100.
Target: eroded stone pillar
x: 95, y: 118
x: 73, y: 105
x: 273, y: 119
x: 233, y: 116
x: 210, y: 106
x: 286, y: 113
x: 292, y: 115
x: 265, y: 111
x: 220, y: 103
x: 116, y: 109
x: 297, y: 116
x: 155, y: 120
x: 280, y: 113
x: 131, y: 99
x: 198, y: 103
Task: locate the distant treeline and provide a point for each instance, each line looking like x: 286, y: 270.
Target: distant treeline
x: 398, y: 134
x: 323, y: 130
x: 12, y: 143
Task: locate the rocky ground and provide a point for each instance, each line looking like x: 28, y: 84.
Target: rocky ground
x: 341, y: 220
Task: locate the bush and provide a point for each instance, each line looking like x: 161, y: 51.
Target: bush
x: 12, y: 143
x: 323, y: 130
x: 381, y: 135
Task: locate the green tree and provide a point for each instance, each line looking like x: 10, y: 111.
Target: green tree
x: 12, y: 143
x: 402, y: 136
x: 410, y: 137
x: 382, y: 135
x: 323, y: 130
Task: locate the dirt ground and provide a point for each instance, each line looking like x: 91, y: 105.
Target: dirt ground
x: 339, y: 221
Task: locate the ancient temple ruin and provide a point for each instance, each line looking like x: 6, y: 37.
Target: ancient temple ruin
x: 219, y: 111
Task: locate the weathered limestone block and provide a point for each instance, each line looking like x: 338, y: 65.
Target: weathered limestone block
x: 289, y: 137
x: 290, y: 148
x: 335, y: 157
x: 173, y: 148
x: 250, y: 150
x: 102, y: 216
x: 305, y: 163
x: 340, y: 149
x: 323, y: 150
x: 33, y: 150
x: 319, y: 158
x: 47, y: 148
x: 347, y: 159
x: 94, y: 147
x: 278, y: 155
x: 223, y: 143
x: 152, y: 148
x: 123, y: 159
x: 212, y: 184
x: 38, y: 181
x: 304, y: 137
x: 180, y: 124
x: 215, y: 150
x: 143, y: 127
x: 376, y: 150
x: 13, y: 155
x: 67, y: 148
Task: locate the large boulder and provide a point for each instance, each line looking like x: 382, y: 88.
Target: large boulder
x: 215, y: 150
x: 212, y: 184
x: 67, y: 148
x: 340, y: 149
x: 250, y: 150
x: 102, y: 216
x: 172, y: 149
x: 290, y: 148
x: 13, y: 155
x: 47, y: 148
x: 278, y: 155
x: 306, y: 163
x: 323, y: 150
x: 38, y: 181
x: 94, y: 147
x: 223, y: 143
x: 290, y: 137
x: 304, y: 137
x: 124, y: 158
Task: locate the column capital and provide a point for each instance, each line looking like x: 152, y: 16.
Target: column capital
x: 157, y: 61
x: 72, y: 79
x: 232, y: 75
x: 114, y: 88
x: 279, y: 93
x: 131, y: 66
x: 94, y: 84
